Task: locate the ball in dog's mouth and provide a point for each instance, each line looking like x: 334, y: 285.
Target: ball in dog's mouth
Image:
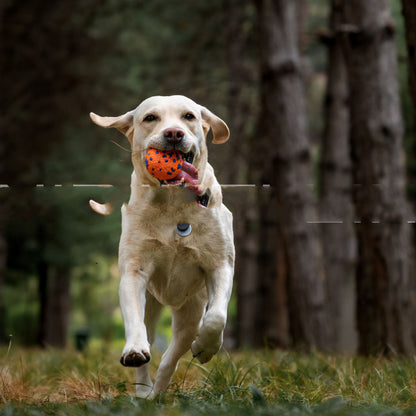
x: 172, y: 168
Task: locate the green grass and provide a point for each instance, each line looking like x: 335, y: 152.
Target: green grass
x: 35, y: 382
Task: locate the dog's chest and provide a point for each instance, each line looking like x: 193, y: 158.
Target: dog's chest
x: 177, y: 257
x: 175, y: 277
x: 179, y: 264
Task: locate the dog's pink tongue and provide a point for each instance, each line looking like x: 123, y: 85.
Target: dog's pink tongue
x: 188, y: 174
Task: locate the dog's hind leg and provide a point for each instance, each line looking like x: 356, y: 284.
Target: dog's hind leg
x: 210, y: 334
x: 185, y: 323
x: 144, y: 385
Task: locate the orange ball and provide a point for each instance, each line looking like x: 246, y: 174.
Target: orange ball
x: 163, y: 164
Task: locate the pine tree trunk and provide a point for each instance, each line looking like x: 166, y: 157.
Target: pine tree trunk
x: 283, y: 122
x: 249, y: 297
x: 43, y: 301
x: 336, y: 207
x: 383, y: 309
x: 58, y: 306
x: 54, y: 298
x: 236, y: 167
x: 54, y: 288
x: 4, y: 215
x: 409, y: 13
x: 272, y: 314
x: 3, y: 257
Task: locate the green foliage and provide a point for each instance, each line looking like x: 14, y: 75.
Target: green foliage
x: 42, y: 383
x: 105, y: 57
x: 66, y: 59
x: 95, y: 299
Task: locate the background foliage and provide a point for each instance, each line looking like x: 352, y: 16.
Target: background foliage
x: 63, y: 60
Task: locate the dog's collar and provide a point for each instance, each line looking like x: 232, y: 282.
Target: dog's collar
x: 203, y: 199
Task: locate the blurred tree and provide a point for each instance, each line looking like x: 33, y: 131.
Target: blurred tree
x: 64, y: 234
x: 289, y: 171
x: 3, y: 259
x: 64, y: 59
x: 99, y: 60
x: 48, y: 60
x: 336, y: 192
x: 409, y: 13
x: 383, y: 273
x: 239, y: 31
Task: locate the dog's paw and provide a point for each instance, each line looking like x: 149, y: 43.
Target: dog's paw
x: 144, y: 391
x: 135, y: 357
x: 209, y: 338
x: 203, y: 352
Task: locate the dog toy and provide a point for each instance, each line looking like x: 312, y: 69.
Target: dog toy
x: 163, y: 164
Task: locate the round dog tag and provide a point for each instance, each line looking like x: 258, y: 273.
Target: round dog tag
x: 184, y: 229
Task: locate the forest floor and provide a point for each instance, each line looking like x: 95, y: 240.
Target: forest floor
x: 50, y: 382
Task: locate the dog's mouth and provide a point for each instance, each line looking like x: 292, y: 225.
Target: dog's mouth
x: 187, y: 175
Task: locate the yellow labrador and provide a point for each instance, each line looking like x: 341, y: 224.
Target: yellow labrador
x: 176, y: 247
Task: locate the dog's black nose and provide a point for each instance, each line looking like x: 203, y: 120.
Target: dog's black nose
x: 174, y: 135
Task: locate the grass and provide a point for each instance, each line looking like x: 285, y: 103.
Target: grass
x: 38, y: 382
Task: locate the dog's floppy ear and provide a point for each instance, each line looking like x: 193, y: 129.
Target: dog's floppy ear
x: 123, y: 123
x: 220, y: 130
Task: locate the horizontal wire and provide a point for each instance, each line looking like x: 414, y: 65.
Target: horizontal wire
x: 96, y: 185
x: 224, y: 186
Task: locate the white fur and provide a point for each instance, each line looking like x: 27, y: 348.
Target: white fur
x: 192, y: 275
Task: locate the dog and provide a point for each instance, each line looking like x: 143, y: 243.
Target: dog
x: 176, y: 247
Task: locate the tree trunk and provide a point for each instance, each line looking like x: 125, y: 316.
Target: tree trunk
x: 43, y: 301
x: 54, y: 298
x: 238, y: 162
x: 274, y: 311
x: 237, y: 39
x: 336, y: 208
x: 249, y: 299
x: 283, y: 123
x: 3, y: 257
x: 409, y: 13
x: 54, y: 288
x: 4, y: 217
x: 58, y: 308
x: 383, y: 309
x: 272, y: 317
x: 245, y: 278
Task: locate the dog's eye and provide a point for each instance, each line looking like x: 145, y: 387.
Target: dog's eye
x: 150, y: 117
x: 188, y: 116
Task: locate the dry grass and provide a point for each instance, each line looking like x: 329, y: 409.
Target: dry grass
x: 37, y: 376
x: 271, y: 380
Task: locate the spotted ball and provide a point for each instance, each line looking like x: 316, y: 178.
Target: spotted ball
x: 163, y: 164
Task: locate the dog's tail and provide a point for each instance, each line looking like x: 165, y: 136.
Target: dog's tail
x: 103, y: 209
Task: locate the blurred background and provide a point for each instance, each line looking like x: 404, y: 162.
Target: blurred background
x: 318, y: 98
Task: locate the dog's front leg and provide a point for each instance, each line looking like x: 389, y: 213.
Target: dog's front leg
x: 210, y: 335
x: 132, y: 294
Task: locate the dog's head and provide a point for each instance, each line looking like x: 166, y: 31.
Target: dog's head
x: 173, y: 122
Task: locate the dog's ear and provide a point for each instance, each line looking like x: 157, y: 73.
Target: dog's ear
x: 220, y: 130
x: 123, y: 123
